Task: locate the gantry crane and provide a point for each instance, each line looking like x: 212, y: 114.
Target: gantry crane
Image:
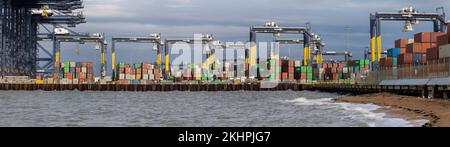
x: 66, y: 35
x: 273, y: 28
x: 20, y: 20
x: 154, y: 39
x: 316, y: 46
x: 408, y: 15
x: 348, y: 56
x: 203, y: 39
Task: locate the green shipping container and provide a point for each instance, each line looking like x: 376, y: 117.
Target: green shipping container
x: 303, y: 69
x: 340, y: 76
x: 309, y: 69
x: 351, y: 69
x: 367, y: 62
x: 278, y: 69
x: 298, y: 69
x: 121, y: 64
x: 395, y: 61
x: 66, y: 69
x: 271, y: 75
x: 66, y: 64
x: 362, y: 63
x: 137, y: 66
x: 357, y: 63
x: 309, y: 76
x: 272, y: 62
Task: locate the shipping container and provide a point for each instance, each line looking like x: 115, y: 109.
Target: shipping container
x: 419, y: 58
x: 435, y: 36
x: 443, y: 40
x: 394, y: 52
x: 448, y: 32
x: 423, y: 37
x: 414, y: 48
x: 406, y: 58
x: 444, y: 51
x: 433, y: 54
x: 401, y: 43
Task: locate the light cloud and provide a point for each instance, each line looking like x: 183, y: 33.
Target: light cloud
x: 231, y: 19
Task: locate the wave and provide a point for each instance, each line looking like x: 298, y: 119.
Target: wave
x: 367, y: 114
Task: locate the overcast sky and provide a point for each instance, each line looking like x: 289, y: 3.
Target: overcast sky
x: 229, y: 20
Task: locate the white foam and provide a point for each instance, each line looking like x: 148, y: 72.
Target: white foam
x: 364, y: 113
x: 309, y: 102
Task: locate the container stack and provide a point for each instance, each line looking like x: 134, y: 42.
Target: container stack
x: 75, y: 73
x: 391, y: 61
x: 421, y: 50
x: 444, y: 46
x: 290, y: 70
x: 140, y: 73
x: 287, y: 70
x: 307, y: 74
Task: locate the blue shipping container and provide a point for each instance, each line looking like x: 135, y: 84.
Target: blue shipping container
x: 393, y: 52
x: 417, y: 58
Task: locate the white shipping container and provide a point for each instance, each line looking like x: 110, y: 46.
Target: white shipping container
x: 444, y: 51
x: 151, y: 77
x: 121, y: 76
x: 297, y: 63
x: 132, y: 77
x: 83, y: 70
x: 345, y: 70
x: 73, y: 64
x: 127, y: 76
x: 145, y: 76
x: 75, y: 81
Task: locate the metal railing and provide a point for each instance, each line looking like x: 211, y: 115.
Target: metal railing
x: 431, y: 69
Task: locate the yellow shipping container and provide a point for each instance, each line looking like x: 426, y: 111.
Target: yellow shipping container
x: 50, y: 81
x: 39, y: 81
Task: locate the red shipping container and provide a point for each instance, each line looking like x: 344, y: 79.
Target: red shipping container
x: 291, y: 76
x: 442, y: 40
x: 291, y: 70
x: 405, y: 58
x: 423, y: 37
x: 414, y: 48
x: 448, y: 33
x: 284, y: 76
x: 433, y: 54
x: 303, y: 76
x: 291, y: 63
x: 127, y: 70
x: 435, y: 35
x: 403, y: 50
x: 401, y: 43
x: 69, y: 76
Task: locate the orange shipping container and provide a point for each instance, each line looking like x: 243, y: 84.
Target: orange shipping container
x: 423, y: 37
x: 414, y: 48
x: 405, y: 58
x: 402, y: 50
x: 435, y: 35
x: 426, y: 46
x: 401, y: 43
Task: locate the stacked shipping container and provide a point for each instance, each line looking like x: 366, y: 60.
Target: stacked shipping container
x: 137, y: 73
x: 75, y: 73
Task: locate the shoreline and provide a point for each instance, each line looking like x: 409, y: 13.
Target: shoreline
x: 436, y: 111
